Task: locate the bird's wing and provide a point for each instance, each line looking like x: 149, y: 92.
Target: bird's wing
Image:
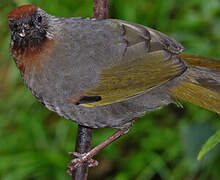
x: 148, y: 63
x: 158, y: 40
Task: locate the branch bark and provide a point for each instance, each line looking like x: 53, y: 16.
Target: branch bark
x: 84, y: 134
x: 83, y: 144
x: 101, y: 9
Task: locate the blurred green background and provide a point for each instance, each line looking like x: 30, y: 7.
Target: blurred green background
x: 161, y: 145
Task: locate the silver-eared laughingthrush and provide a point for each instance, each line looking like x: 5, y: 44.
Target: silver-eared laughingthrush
x: 105, y: 73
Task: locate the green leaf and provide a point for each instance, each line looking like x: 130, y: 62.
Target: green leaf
x: 210, y: 144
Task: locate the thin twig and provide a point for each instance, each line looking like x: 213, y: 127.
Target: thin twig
x: 101, y: 8
x: 83, y: 143
x: 84, y: 134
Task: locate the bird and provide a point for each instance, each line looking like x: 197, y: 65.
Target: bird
x: 104, y: 73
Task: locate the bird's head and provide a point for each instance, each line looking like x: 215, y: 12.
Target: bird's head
x: 29, y: 26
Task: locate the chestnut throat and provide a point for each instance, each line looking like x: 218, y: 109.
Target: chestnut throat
x: 28, y: 52
x: 27, y: 46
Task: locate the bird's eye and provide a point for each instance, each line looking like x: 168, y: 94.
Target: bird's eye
x: 39, y: 19
x: 13, y: 26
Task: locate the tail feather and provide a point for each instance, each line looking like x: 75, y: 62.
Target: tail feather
x: 201, y: 85
x: 198, y: 61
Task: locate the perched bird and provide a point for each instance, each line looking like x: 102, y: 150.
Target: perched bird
x: 105, y: 73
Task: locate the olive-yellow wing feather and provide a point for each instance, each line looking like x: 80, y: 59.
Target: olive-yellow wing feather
x: 128, y: 79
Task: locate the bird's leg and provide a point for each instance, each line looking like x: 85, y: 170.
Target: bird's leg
x: 87, y: 157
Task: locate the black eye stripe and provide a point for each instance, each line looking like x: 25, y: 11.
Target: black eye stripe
x: 39, y: 19
x: 13, y: 26
x: 31, y: 23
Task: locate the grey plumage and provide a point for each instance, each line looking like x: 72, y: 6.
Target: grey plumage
x: 83, y: 47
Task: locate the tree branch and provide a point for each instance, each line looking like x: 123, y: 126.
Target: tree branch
x: 101, y: 8
x: 83, y: 143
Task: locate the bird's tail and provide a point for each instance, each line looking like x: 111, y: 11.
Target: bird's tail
x: 201, y: 85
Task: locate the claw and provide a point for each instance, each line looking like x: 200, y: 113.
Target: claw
x: 75, y: 154
x: 93, y: 163
x: 79, y: 161
x: 86, y: 158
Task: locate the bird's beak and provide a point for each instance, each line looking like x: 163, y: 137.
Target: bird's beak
x: 22, y: 33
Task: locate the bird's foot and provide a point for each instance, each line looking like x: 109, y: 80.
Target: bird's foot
x: 79, y: 160
x: 86, y: 158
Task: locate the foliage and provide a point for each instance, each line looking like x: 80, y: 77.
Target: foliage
x: 210, y: 144
x: 161, y: 145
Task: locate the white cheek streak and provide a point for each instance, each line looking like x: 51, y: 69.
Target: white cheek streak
x: 54, y: 26
x: 49, y: 35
